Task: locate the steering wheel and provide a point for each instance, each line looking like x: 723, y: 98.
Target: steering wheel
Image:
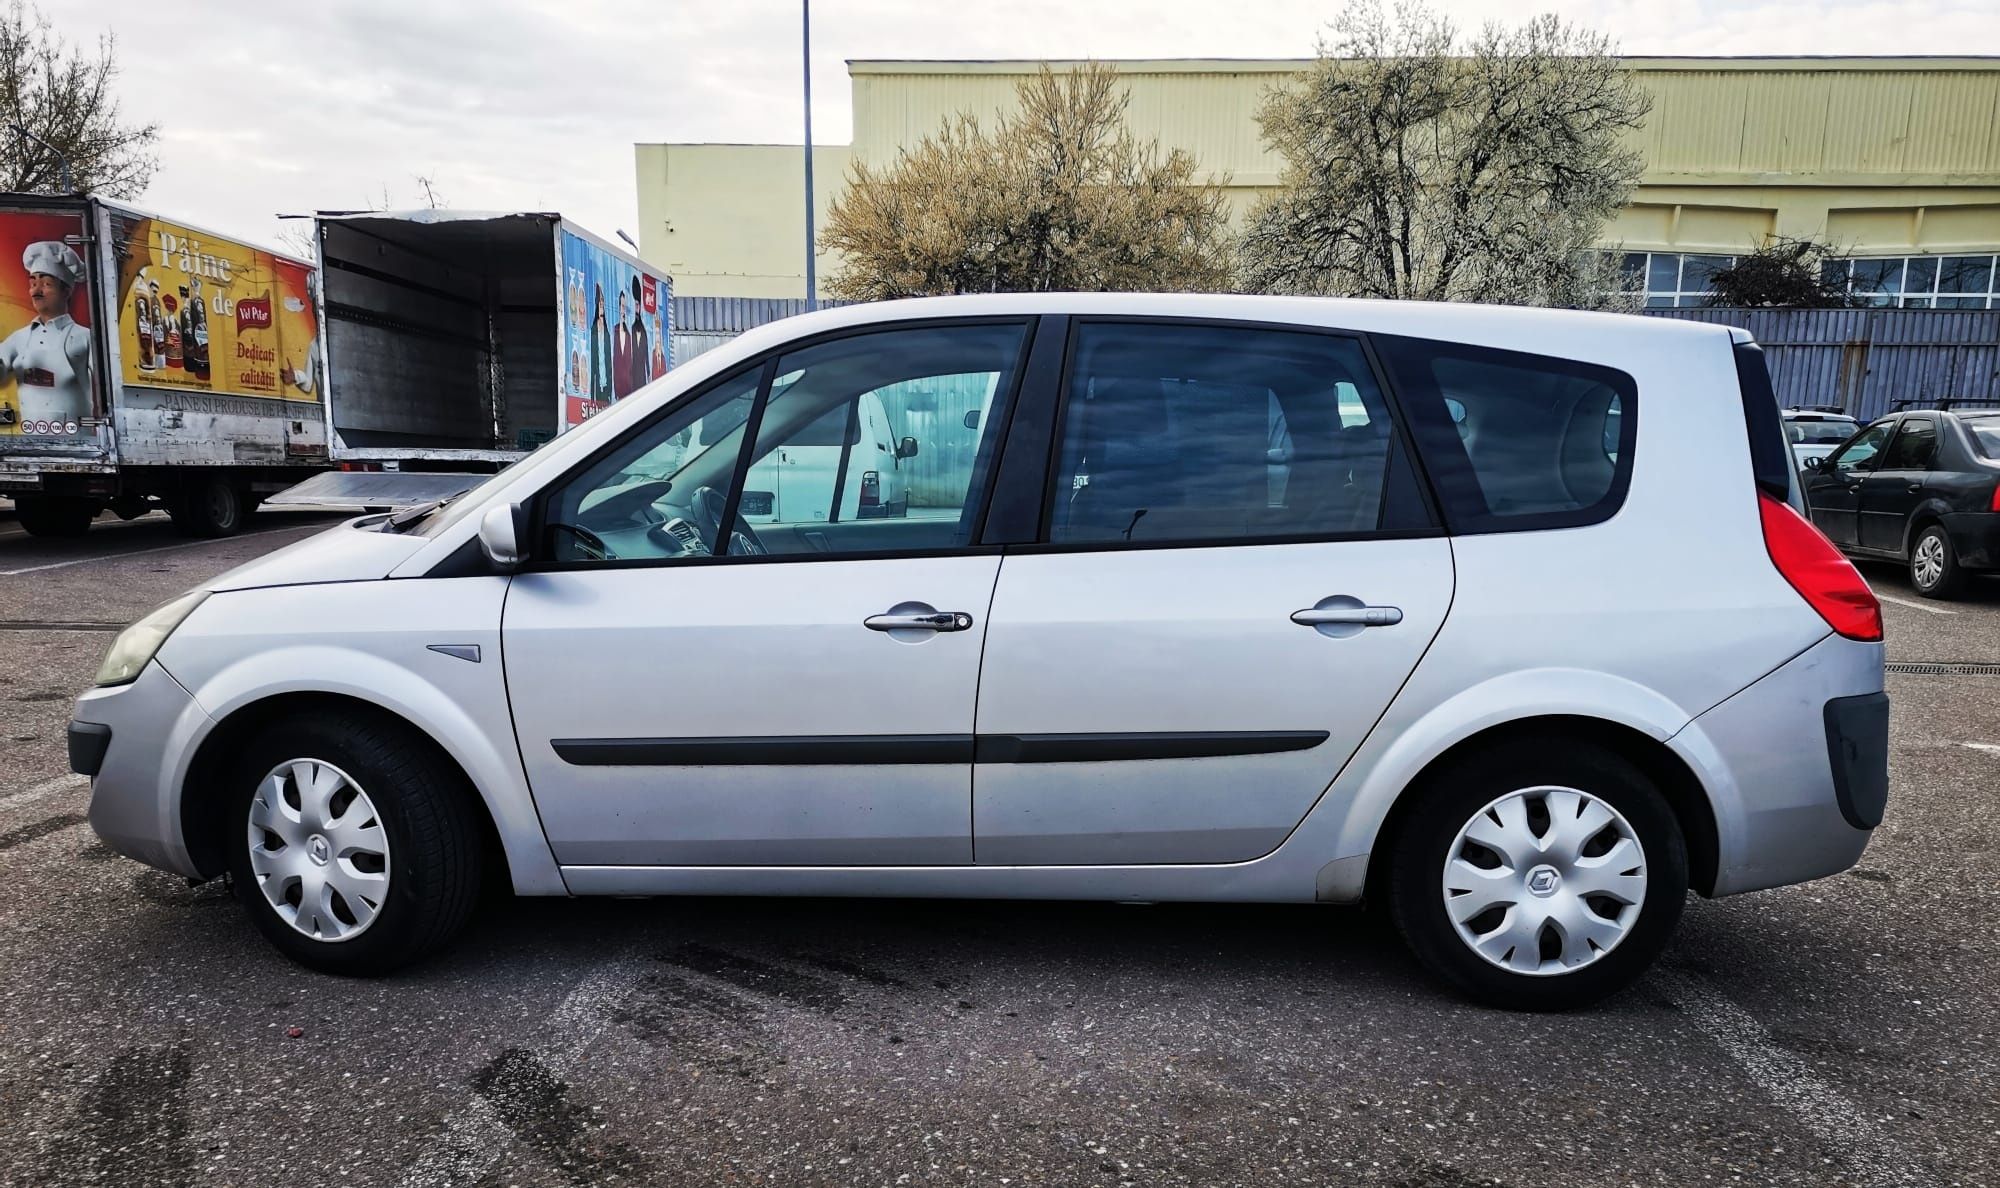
x: 705, y: 509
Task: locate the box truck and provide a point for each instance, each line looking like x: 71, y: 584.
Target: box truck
x: 458, y: 341
x: 146, y: 362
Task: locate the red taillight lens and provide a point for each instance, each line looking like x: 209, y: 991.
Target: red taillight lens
x: 1826, y: 580
x: 1996, y: 497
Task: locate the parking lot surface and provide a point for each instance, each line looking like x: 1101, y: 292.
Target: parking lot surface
x: 1841, y: 1032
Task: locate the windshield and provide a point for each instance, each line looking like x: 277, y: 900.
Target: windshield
x: 1986, y: 433
x: 1818, y: 432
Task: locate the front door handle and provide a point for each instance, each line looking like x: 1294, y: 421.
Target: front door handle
x: 919, y: 621
x: 1360, y: 616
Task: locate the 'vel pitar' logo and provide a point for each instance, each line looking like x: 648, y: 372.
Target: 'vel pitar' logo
x: 253, y: 313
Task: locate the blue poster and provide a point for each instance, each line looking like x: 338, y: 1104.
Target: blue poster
x: 616, y: 328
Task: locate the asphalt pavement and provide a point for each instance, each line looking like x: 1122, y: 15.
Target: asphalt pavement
x: 1838, y: 1033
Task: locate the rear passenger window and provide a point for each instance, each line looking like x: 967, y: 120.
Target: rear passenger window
x: 1515, y: 441
x: 1914, y: 447
x: 1194, y: 433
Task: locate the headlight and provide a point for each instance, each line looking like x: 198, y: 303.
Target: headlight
x: 135, y: 645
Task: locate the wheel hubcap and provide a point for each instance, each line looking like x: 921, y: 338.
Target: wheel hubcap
x: 1929, y: 564
x: 318, y: 849
x: 1545, y: 880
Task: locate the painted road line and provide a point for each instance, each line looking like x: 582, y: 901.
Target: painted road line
x: 1989, y: 748
x: 42, y: 790
x: 174, y: 548
x: 1871, y: 1156
x: 475, y: 1136
x: 1936, y: 610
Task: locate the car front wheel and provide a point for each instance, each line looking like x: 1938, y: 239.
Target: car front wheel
x: 1538, y: 877
x: 352, y: 843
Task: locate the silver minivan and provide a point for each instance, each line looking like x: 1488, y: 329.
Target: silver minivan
x: 1468, y: 611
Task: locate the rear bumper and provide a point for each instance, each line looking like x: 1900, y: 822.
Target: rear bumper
x: 1975, y: 538
x: 146, y: 728
x: 1796, y: 767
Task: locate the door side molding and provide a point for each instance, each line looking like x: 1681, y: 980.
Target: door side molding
x: 897, y: 749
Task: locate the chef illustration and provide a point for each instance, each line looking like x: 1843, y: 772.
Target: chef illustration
x: 49, y: 358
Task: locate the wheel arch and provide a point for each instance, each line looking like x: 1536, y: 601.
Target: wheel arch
x: 1930, y: 511
x: 205, y: 789
x: 1677, y: 782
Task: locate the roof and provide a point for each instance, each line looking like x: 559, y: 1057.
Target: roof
x: 1664, y: 62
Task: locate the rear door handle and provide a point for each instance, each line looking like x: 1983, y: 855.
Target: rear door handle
x: 920, y: 621
x: 1362, y: 616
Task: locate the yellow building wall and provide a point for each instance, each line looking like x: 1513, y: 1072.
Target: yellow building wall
x: 1877, y: 155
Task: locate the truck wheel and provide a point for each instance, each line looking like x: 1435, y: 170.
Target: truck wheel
x: 352, y: 844
x: 54, y: 515
x: 209, y: 507
x: 1536, y: 876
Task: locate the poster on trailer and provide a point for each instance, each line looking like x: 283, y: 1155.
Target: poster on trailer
x: 198, y: 312
x: 45, y: 350
x: 616, y: 321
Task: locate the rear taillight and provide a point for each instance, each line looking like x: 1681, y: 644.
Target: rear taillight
x: 871, y: 489
x: 1826, y: 580
x: 1996, y: 497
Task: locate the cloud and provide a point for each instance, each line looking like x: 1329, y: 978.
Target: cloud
x: 524, y: 104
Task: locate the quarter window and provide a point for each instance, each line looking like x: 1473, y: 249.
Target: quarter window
x: 1194, y: 433
x: 1516, y: 441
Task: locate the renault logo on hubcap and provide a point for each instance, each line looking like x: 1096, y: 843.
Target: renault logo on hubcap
x: 1543, y: 880
x: 318, y: 850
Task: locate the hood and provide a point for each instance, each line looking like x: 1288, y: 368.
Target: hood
x: 352, y: 552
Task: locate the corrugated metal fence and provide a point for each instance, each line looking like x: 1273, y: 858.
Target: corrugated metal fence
x: 1862, y: 360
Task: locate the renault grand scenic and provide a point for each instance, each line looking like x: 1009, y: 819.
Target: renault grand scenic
x: 1507, y: 619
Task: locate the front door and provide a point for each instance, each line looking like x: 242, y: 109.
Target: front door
x: 1833, y: 492
x: 797, y: 693
x: 1891, y: 492
x: 1238, y: 572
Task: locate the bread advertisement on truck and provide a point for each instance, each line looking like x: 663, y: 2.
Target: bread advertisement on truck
x: 45, y: 348
x: 204, y: 314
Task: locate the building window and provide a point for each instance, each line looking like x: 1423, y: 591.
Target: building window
x: 1669, y: 280
x: 1921, y: 282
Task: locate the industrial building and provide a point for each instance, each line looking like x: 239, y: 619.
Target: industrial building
x: 1894, y: 161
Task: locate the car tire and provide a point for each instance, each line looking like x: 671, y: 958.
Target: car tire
x: 1513, y: 796
x: 53, y: 516
x: 305, y: 861
x: 1934, y: 569
x: 209, y: 507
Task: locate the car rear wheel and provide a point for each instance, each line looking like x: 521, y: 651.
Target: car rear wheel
x: 1538, y: 877
x: 352, y: 844
x: 1934, y: 567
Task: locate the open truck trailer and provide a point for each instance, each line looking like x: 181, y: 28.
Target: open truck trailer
x: 456, y: 342
x: 149, y: 363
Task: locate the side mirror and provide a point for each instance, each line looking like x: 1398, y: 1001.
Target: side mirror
x: 500, y: 537
x: 972, y: 416
x: 906, y: 448
x: 1815, y: 463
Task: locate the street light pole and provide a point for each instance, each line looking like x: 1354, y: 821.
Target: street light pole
x: 812, y: 272
x: 62, y: 159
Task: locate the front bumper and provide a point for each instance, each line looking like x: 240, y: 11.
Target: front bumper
x: 147, y: 730
x: 1783, y: 812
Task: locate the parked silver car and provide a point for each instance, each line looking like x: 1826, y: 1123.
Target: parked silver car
x: 1468, y: 610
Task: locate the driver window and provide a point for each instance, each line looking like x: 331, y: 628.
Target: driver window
x: 876, y: 442
x: 1860, y: 453
x: 660, y: 493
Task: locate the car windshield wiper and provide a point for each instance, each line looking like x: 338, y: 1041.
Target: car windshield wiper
x: 401, y: 521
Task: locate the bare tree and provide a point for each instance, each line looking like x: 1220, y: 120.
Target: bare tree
x: 1059, y: 195
x: 1423, y: 164
x: 62, y: 96
x: 1790, y: 273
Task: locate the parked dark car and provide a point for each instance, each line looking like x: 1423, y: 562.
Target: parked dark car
x: 1920, y: 486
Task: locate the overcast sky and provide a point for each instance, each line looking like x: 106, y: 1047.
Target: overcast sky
x: 515, y: 104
